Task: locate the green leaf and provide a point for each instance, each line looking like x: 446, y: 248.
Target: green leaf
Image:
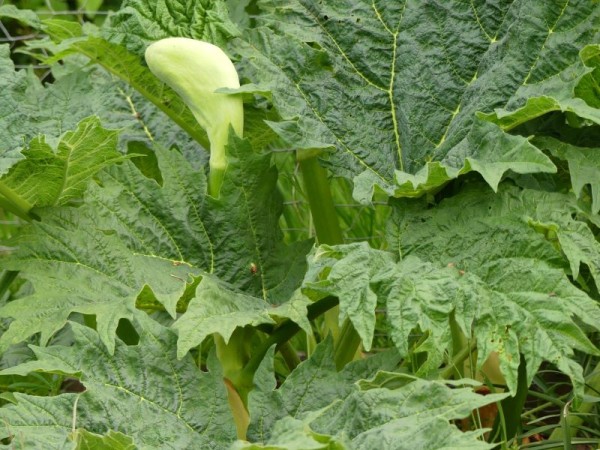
x: 67, y: 253
x: 349, y: 280
x: 554, y: 92
x: 491, y: 262
x: 344, y: 416
x: 417, y: 414
x: 492, y: 259
x: 51, y: 178
x: 216, y: 309
x: 293, y: 434
x: 142, y: 391
x: 139, y: 22
x: 406, y: 93
x: 113, y: 440
x: 24, y: 16
x: 584, y: 166
x: 313, y: 385
x: 133, y: 233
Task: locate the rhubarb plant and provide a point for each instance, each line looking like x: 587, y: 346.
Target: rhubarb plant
x: 301, y: 225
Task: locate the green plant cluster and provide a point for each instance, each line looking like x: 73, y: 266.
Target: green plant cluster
x: 410, y: 219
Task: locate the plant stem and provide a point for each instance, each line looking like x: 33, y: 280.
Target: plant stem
x: 285, y: 332
x: 511, y: 408
x: 459, y: 342
x: 328, y: 231
x: 8, y: 276
x: 320, y: 200
x: 13, y: 202
x: 238, y: 409
x: 289, y: 355
x: 458, y: 360
x: 347, y: 345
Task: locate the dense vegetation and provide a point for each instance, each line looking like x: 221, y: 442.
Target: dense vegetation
x: 403, y: 251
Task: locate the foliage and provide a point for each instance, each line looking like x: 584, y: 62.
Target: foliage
x: 457, y: 223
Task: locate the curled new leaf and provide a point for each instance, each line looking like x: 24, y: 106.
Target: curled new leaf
x: 195, y: 70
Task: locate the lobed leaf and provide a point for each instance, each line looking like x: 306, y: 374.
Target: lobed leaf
x: 52, y: 178
x: 346, y: 416
x: 141, y: 391
x: 132, y: 233
x: 406, y: 90
x: 488, y: 261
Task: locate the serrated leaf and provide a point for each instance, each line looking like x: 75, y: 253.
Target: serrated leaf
x: 313, y: 385
x: 133, y: 233
x: 417, y: 414
x: 65, y: 252
x: 142, y: 391
x: 405, y: 92
x: 519, y: 274
x: 293, y: 434
x: 347, y: 417
x: 139, y: 22
x: 217, y: 309
x: 53, y: 178
x: 349, y: 281
x: 113, y: 440
x: 553, y: 92
x: 487, y: 260
x: 584, y: 166
x: 25, y: 16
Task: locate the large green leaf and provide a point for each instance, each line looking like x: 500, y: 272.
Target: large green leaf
x: 110, y: 441
x: 142, y: 391
x: 51, y: 178
x: 395, y: 86
x: 133, y: 233
x: 139, y: 23
x: 555, y: 92
x: 316, y: 407
x: 496, y: 263
x: 27, y: 109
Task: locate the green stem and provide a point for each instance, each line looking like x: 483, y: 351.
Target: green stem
x: 289, y: 354
x: 458, y: 360
x: 511, y: 408
x: 346, y: 346
x: 13, y: 202
x: 328, y: 231
x: 459, y: 342
x: 8, y: 276
x: 321, y: 204
x: 285, y: 332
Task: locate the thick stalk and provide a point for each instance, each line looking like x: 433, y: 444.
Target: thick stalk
x: 508, y: 421
x: 458, y: 360
x: 347, y: 345
x: 328, y: 232
x: 323, y: 212
x: 289, y: 355
x: 231, y: 358
x: 8, y: 276
x: 11, y: 201
x: 459, y: 342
